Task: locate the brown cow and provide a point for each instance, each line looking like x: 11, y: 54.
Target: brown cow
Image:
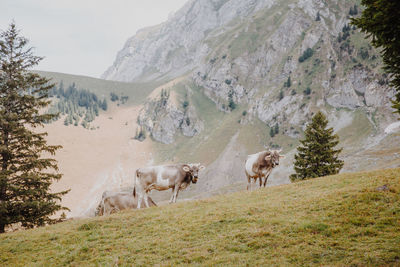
x: 177, y: 176
x: 116, y: 201
x: 260, y: 165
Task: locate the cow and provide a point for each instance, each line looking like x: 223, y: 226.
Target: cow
x: 116, y: 201
x: 176, y: 177
x: 260, y: 165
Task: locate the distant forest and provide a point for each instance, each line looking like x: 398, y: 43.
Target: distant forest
x: 79, y: 105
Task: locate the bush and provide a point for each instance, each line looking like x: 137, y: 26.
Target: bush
x: 306, y: 55
x: 140, y: 134
x: 280, y: 95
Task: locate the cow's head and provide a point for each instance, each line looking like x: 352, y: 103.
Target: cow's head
x: 274, y: 157
x: 193, y: 171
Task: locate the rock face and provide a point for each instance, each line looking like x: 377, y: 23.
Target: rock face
x: 176, y: 46
x: 163, y: 120
x: 243, y: 52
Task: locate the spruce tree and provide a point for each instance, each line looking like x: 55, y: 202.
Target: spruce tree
x: 380, y: 21
x: 26, y: 170
x: 317, y: 155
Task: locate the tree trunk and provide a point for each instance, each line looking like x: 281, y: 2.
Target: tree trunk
x: 2, y: 228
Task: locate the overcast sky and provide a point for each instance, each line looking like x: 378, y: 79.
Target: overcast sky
x: 82, y: 36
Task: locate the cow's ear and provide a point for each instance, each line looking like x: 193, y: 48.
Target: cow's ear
x: 201, y: 167
x: 186, y: 168
x: 268, y: 157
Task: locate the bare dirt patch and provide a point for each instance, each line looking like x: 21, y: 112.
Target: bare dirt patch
x: 96, y: 160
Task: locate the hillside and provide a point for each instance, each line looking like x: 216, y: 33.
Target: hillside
x: 341, y: 220
x: 137, y: 92
x: 221, y: 79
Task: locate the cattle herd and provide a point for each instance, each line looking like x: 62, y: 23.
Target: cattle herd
x: 176, y: 177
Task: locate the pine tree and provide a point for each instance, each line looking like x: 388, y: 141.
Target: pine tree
x: 25, y: 174
x: 380, y: 21
x: 318, y: 18
x: 276, y: 129
x: 288, y: 83
x: 316, y: 156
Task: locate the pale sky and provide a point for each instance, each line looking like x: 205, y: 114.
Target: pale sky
x: 82, y: 36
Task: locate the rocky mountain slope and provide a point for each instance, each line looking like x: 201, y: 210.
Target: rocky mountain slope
x: 245, y: 52
x: 221, y: 79
x: 261, y: 66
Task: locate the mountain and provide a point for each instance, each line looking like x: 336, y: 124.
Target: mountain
x: 264, y: 64
x: 341, y: 220
x: 222, y: 79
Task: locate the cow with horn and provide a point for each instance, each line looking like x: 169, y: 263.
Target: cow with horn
x: 260, y: 165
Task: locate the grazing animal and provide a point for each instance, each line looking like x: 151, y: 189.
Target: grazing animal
x: 260, y: 165
x: 116, y: 201
x: 176, y: 177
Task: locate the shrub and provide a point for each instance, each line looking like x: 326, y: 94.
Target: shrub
x: 306, y: 55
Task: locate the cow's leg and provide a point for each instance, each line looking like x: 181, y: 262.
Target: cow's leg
x: 146, y: 199
x: 175, y: 195
x: 266, y: 177
x: 140, y: 196
x: 260, y: 180
x: 248, y: 182
x: 172, y: 195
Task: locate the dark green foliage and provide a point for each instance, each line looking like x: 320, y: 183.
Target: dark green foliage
x: 316, y: 156
x: 345, y: 33
x: 164, y: 97
x: 307, y: 91
x: 381, y: 21
x: 276, y: 129
x: 306, y: 55
x: 353, y: 11
x: 104, y: 105
x: 318, y: 18
x: 140, y: 134
x: 76, y: 104
x: 231, y: 104
x: 25, y: 173
x: 272, y: 132
x: 288, y: 83
x: 228, y: 82
x: 121, y: 99
x: 363, y: 52
x: 293, y: 92
x: 185, y: 104
x: 281, y: 95
x: 244, y: 113
x: 114, y: 97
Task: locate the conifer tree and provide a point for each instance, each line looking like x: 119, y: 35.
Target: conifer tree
x: 380, y: 21
x: 317, y: 155
x: 25, y: 171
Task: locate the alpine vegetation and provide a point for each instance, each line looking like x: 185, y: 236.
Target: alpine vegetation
x: 26, y: 173
x: 317, y: 155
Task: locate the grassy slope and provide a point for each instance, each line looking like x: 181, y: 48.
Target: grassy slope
x: 336, y: 220
x: 137, y: 92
